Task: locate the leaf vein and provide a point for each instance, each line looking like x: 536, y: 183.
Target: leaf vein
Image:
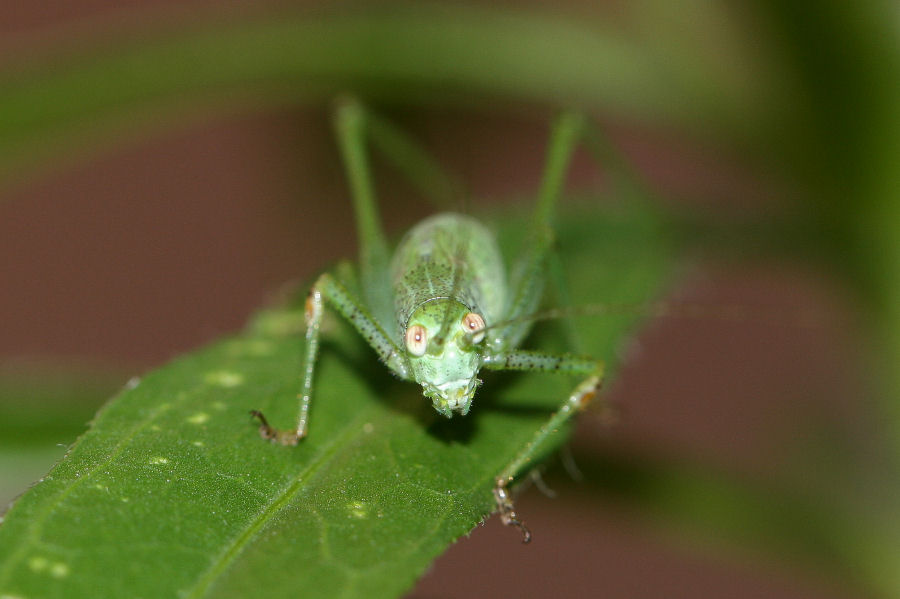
x: 227, y: 556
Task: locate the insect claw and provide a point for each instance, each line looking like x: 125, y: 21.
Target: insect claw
x: 512, y: 519
x: 508, y: 515
x: 259, y: 415
x: 526, y: 534
x: 265, y: 431
x: 273, y: 434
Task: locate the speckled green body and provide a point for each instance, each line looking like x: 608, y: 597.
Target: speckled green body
x: 444, y: 268
x: 448, y: 256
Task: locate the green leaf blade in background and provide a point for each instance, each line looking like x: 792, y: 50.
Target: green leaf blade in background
x: 458, y: 55
x: 173, y: 493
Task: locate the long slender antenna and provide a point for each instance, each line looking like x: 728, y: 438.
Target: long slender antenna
x: 460, y: 262
x: 804, y: 318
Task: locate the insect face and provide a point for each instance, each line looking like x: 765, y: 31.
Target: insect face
x: 444, y: 356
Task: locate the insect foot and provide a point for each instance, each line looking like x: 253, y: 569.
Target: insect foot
x: 508, y: 514
x: 274, y: 435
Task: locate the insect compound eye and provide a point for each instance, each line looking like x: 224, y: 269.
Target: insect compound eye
x: 416, y: 340
x: 473, y: 324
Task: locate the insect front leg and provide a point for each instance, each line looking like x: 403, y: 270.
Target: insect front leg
x: 580, y: 397
x: 328, y: 289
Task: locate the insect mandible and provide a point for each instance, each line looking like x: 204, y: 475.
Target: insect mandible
x: 449, y: 310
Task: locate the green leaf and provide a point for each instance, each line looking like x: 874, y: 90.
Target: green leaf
x: 431, y: 54
x: 45, y: 403
x: 43, y: 409
x: 172, y: 492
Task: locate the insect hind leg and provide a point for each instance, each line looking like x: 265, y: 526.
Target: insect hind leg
x: 529, y: 270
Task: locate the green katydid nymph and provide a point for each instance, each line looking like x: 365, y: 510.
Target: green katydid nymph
x: 442, y: 307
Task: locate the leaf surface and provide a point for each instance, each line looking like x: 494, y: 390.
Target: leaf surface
x: 171, y: 493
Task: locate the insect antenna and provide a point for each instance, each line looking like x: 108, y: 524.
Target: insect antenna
x: 803, y: 318
x: 459, y: 266
x: 462, y: 201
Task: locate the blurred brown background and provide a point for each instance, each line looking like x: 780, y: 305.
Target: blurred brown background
x: 120, y: 261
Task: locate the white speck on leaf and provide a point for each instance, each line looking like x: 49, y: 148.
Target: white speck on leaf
x: 258, y: 347
x: 224, y: 378
x: 159, y: 460
x: 198, y: 418
x: 358, y: 509
x: 59, y: 570
x: 42, y: 564
x: 38, y: 564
